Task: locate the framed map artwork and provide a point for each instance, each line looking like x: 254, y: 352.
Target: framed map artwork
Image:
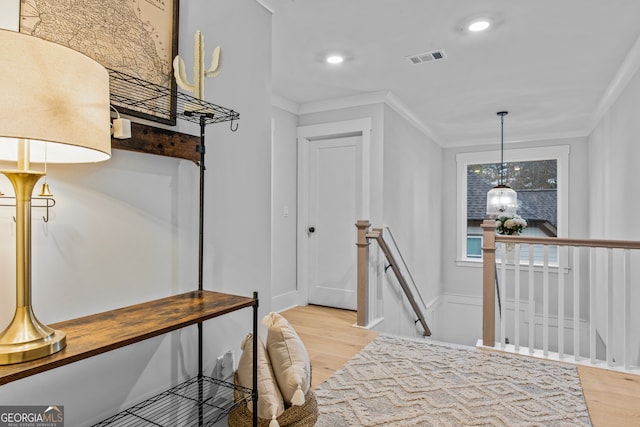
x: 135, y: 37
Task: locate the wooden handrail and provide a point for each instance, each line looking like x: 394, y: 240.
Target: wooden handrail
x: 557, y: 241
x: 376, y: 234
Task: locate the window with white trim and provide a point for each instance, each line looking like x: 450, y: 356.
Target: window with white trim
x: 539, y: 175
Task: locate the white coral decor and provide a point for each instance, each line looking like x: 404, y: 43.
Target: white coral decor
x: 511, y: 225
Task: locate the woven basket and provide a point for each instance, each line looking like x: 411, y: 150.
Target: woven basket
x: 294, y: 416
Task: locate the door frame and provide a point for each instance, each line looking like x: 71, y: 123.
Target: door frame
x: 324, y: 131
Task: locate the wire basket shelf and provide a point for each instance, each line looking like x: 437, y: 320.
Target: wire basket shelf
x: 197, y: 402
x: 155, y: 101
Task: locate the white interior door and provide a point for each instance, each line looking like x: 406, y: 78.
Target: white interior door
x: 334, y: 206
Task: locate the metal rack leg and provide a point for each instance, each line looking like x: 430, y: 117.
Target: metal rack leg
x: 255, y: 361
x: 200, y: 379
x: 200, y: 265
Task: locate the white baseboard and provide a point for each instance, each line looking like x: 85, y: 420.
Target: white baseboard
x: 461, y: 319
x: 285, y: 301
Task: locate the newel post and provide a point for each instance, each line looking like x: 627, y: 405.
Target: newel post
x: 363, y: 271
x: 488, y: 282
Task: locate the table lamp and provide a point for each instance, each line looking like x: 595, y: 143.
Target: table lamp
x: 54, y: 108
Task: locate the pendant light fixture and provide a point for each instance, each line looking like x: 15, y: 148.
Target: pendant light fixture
x: 501, y: 199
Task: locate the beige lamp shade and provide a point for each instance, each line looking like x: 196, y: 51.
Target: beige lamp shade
x: 54, y: 97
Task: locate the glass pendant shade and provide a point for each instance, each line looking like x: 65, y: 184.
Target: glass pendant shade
x: 501, y: 200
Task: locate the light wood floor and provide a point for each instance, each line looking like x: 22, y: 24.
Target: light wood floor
x: 331, y: 340
x: 329, y: 337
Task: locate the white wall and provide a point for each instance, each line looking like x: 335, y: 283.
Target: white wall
x: 125, y: 231
x: 412, y: 194
x: 614, y: 154
x: 9, y: 14
x: 284, y: 214
x: 411, y: 200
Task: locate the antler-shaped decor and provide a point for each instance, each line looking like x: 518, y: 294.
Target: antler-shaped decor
x: 199, y: 72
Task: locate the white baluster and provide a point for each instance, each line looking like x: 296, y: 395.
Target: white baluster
x: 545, y: 302
x: 503, y: 280
x: 532, y: 303
x: 576, y: 303
x: 592, y: 305
x: 561, y: 263
x: 626, y: 268
x: 516, y: 310
x: 609, y: 304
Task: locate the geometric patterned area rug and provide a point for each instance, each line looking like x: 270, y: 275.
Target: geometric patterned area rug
x: 410, y: 382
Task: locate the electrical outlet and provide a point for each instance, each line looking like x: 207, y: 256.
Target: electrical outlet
x: 226, y: 366
x: 217, y: 371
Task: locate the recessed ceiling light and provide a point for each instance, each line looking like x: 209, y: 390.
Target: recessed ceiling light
x: 334, y: 59
x: 479, y: 25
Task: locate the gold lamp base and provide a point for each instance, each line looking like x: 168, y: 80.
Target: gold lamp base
x: 27, y: 339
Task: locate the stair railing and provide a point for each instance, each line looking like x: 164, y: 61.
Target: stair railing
x: 578, y: 309
x: 364, y: 236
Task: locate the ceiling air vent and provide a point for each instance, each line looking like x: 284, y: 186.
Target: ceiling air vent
x: 420, y: 58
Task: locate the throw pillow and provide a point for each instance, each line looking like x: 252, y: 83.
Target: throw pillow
x: 270, y: 403
x: 289, y: 359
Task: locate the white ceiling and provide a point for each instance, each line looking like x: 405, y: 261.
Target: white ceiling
x: 553, y: 64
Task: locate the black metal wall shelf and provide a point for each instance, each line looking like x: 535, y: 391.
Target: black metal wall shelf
x: 154, y: 100
x: 202, y: 400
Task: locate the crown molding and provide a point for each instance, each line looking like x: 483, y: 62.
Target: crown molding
x: 285, y: 104
x: 266, y: 4
x: 399, y: 107
x: 394, y: 102
x: 359, y: 100
x: 380, y: 97
x: 627, y: 71
x: 490, y: 142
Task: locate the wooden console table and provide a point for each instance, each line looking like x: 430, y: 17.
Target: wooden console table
x: 103, y: 332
